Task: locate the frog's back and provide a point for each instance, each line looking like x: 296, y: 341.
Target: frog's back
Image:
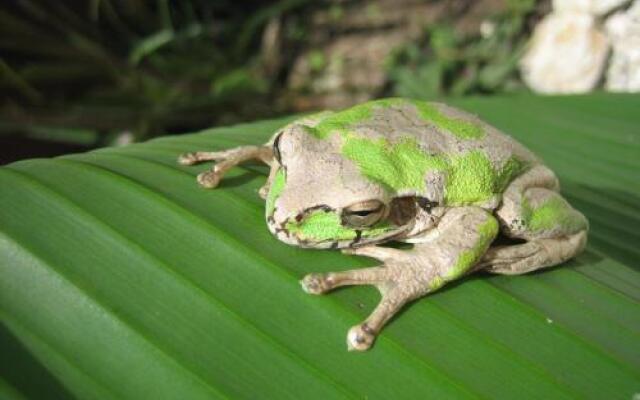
x: 405, y: 143
x: 438, y: 129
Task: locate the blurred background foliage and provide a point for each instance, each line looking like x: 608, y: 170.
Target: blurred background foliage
x: 83, y: 74
x: 447, y: 63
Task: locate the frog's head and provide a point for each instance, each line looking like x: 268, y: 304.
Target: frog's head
x: 320, y: 199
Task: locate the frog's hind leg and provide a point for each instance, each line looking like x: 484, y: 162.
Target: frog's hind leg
x: 533, y: 255
x: 533, y: 210
x: 225, y: 160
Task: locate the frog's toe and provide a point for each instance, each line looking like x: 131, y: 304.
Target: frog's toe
x: 208, y: 179
x: 360, y: 338
x: 264, y: 192
x: 188, y: 158
x: 315, y: 284
x: 321, y: 283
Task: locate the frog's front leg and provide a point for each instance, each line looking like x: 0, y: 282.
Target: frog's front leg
x: 224, y: 161
x: 459, y: 241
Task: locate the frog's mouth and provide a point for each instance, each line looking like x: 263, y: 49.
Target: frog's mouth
x: 321, y: 228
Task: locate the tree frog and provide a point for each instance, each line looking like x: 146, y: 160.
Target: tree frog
x: 407, y: 171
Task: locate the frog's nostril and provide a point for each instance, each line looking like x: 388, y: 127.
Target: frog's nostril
x: 299, y: 217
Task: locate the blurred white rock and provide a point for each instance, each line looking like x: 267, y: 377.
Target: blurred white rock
x: 623, y: 29
x: 567, y: 54
x: 593, y: 7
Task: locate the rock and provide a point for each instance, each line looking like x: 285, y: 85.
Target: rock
x: 593, y: 7
x: 567, y: 54
x: 623, y: 29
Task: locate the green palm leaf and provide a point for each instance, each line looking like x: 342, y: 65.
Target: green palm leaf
x: 121, y: 278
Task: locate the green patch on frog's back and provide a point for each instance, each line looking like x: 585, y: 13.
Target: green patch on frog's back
x: 402, y: 167
x: 509, y: 171
x: 399, y: 166
x: 469, y: 179
x: 459, y: 127
x: 343, y: 122
x: 472, y: 178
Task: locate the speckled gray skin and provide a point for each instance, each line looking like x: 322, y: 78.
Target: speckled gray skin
x: 423, y: 173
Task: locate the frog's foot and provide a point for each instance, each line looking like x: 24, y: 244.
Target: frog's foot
x: 395, y: 296
x: 401, y: 281
x: 533, y: 255
x: 362, y: 336
x: 397, y: 288
x: 225, y: 160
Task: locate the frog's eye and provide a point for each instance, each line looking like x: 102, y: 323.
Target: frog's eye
x: 363, y: 214
x: 276, y: 148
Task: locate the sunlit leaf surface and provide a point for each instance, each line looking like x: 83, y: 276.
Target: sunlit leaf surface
x: 121, y: 278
